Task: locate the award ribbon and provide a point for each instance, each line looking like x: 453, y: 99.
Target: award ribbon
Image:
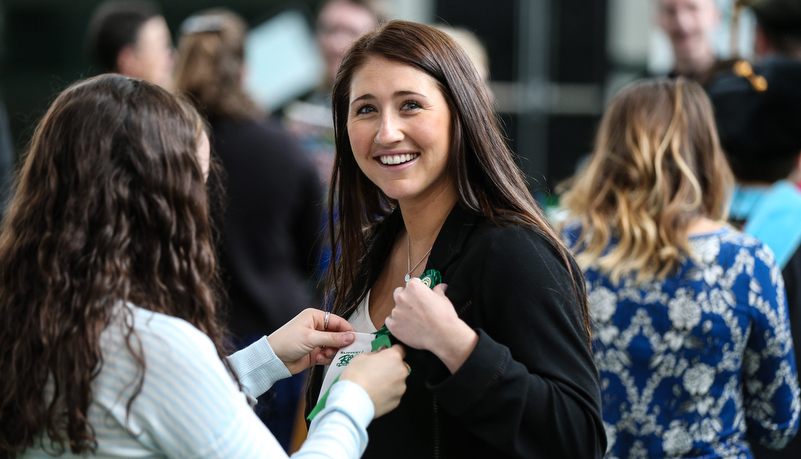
x: 430, y: 278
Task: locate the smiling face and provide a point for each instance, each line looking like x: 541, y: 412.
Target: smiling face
x: 399, y: 130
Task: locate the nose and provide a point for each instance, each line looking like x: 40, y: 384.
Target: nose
x: 685, y: 21
x: 389, y: 131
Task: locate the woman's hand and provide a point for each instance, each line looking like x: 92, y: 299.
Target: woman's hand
x: 424, y: 318
x: 305, y: 341
x: 382, y: 374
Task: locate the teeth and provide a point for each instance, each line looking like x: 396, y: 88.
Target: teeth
x: 391, y: 160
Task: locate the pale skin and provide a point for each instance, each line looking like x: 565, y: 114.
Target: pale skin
x: 399, y: 128
x: 151, y: 57
x: 689, y: 25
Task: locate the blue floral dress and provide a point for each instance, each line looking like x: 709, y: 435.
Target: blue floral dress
x: 691, y: 363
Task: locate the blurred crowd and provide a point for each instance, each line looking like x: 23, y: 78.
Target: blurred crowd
x: 685, y: 219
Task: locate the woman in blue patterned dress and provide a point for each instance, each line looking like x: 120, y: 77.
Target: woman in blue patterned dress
x: 691, y: 334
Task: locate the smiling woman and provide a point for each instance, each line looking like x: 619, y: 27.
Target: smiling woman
x: 396, y: 123
x: 424, y: 181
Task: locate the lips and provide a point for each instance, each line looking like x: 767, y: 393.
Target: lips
x: 393, y: 160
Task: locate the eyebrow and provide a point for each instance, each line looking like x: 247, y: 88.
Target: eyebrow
x: 394, y: 95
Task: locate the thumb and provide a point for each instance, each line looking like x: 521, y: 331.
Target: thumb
x: 337, y: 339
x: 439, y: 289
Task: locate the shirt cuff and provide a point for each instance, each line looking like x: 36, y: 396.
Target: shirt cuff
x: 257, y: 368
x: 350, y: 399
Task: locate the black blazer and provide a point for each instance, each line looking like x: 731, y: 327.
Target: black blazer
x: 530, y: 388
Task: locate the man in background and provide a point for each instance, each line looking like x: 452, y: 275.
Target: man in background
x: 132, y: 38
x: 689, y: 25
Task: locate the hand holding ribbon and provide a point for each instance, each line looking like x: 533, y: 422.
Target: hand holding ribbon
x: 299, y: 343
x: 425, y: 318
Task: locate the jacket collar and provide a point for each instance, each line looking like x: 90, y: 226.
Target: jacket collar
x: 450, y: 240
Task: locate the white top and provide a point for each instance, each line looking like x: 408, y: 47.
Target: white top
x: 189, y: 406
x: 360, y: 319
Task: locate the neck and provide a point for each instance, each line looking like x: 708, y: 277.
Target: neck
x: 703, y: 225
x: 424, y: 218
x: 694, y: 64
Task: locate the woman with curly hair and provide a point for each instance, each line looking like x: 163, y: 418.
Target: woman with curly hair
x: 691, y: 333
x: 111, y: 343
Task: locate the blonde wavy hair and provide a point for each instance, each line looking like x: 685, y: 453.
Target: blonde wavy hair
x: 657, y: 166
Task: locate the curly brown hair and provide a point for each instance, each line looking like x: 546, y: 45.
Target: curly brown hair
x: 110, y: 207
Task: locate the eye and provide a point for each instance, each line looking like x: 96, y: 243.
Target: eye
x: 411, y: 105
x: 364, y: 109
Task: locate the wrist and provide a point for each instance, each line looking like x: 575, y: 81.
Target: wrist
x: 456, y: 345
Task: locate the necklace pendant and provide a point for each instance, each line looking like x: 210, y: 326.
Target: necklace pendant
x: 406, y: 278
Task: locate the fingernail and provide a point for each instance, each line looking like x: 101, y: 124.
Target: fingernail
x: 348, y: 337
x: 444, y: 287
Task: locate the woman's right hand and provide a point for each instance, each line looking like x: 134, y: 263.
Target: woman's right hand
x: 382, y: 374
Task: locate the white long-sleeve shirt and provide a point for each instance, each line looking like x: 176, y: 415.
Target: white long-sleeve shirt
x: 189, y: 406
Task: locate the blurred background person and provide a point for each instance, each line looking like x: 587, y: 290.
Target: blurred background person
x: 339, y: 24
x: 689, y: 25
x: 472, y: 46
x: 691, y: 334
x: 131, y: 37
x: 758, y: 112
x: 270, y: 225
x: 778, y: 29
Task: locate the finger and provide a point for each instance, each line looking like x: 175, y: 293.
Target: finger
x: 330, y: 352
x: 440, y: 289
x: 398, y: 349
x: 324, y: 359
x: 397, y: 292
x: 338, y: 324
x: 389, y: 322
x: 320, y: 338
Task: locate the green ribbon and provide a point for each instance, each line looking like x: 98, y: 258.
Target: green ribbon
x: 381, y: 339
x: 430, y: 278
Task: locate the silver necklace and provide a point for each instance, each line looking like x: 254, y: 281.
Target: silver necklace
x: 409, y: 258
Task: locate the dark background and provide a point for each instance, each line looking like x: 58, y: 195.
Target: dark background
x: 541, y: 45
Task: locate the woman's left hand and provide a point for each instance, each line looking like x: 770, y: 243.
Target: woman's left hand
x: 305, y: 341
x: 425, y: 318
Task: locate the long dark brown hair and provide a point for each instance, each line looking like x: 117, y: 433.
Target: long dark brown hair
x: 487, y: 179
x: 110, y: 207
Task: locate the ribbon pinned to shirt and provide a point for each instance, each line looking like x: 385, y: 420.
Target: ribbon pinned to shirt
x: 377, y: 340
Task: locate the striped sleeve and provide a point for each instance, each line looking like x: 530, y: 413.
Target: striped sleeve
x: 189, y: 407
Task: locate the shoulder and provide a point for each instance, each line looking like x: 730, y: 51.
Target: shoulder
x: 517, y: 241
x: 732, y: 246
x: 520, y: 255
x: 161, y: 337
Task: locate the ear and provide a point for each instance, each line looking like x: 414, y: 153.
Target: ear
x: 128, y: 62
